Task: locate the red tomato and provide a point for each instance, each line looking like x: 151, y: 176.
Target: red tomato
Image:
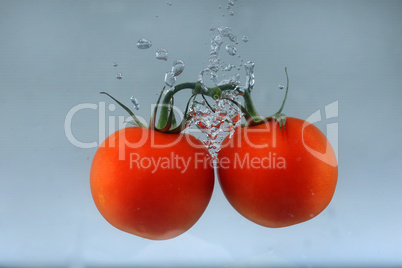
x: 278, y: 177
x: 151, y: 184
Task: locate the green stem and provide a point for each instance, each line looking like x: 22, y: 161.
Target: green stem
x: 196, y: 88
x: 249, y: 106
x: 136, y: 121
x: 209, y: 106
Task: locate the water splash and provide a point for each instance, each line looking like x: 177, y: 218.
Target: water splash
x: 220, y: 118
x: 215, y: 122
x: 144, y: 44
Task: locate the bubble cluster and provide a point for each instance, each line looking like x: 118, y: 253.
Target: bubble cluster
x: 215, y: 122
x: 230, y: 7
x: 216, y: 64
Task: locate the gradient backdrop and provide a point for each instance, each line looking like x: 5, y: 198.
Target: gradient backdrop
x: 55, y: 55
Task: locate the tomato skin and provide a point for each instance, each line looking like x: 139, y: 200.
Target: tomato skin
x: 295, y: 185
x: 144, y: 199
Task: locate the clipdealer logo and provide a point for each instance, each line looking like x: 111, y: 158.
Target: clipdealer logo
x: 107, y: 124
x: 331, y: 112
x: 270, y: 161
x: 101, y: 107
x: 177, y: 162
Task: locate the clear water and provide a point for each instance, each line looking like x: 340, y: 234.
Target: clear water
x: 60, y: 54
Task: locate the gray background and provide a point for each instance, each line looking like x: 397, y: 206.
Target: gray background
x: 57, y: 54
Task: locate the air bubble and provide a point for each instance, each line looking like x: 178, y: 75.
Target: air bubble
x: 249, y: 67
x: 201, y: 78
x: 170, y: 79
x: 228, y: 67
x: 224, y: 31
x: 245, y: 39
x: 144, y: 44
x: 214, y: 68
x: 119, y: 76
x: 233, y: 38
x: 115, y: 64
x: 217, y: 39
x: 231, y: 50
x: 214, y: 78
x: 161, y: 54
x: 214, y: 47
x: 135, y: 103
x: 169, y: 89
x: 281, y: 86
x: 178, y: 67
